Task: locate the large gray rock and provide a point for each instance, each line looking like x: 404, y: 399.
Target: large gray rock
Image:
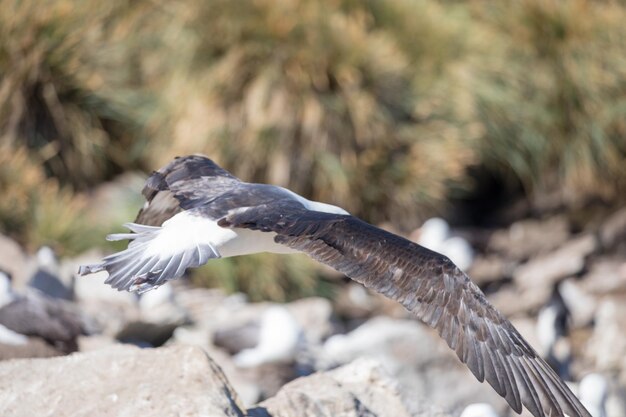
x: 359, y: 389
x: 183, y: 381
x: 120, y: 381
x: 247, y: 387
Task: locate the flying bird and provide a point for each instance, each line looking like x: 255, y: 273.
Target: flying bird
x: 196, y: 211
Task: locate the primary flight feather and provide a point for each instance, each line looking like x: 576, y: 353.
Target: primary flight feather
x: 196, y: 211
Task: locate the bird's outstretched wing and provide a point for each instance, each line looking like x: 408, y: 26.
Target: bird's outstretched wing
x: 434, y: 289
x: 176, y: 229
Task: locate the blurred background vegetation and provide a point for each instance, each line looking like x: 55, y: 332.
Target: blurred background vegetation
x: 395, y: 110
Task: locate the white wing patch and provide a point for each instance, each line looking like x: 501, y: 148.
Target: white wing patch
x: 158, y: 254
x: 316, y: 205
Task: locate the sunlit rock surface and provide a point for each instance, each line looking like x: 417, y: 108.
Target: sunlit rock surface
x: 184, y: 381
x: 359, y: 389
x: 119, y: 381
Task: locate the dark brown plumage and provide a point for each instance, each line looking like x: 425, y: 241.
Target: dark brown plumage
x: 425, y: 282
x: 193, y: 179
x: 434, y: 289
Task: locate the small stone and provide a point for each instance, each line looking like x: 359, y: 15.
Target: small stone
x: 606, y: 276
x: 613, y: 229
x: 512, y: 301
x: 529, y: 238
x: 488, y: 269
x: 547, y: 269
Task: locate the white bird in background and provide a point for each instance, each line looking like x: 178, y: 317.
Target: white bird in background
x: 7, y: 296
x: 197, y: 211
x: 47, y: 260
x: 593, y: 393
x: 479, y: 410
x: 9, y: 337
x: 435, y: 235
x: 279, y: 337
x: 46, y: 278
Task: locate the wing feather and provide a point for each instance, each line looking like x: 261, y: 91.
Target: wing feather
x: 156, y: 255
x: 434, y: 289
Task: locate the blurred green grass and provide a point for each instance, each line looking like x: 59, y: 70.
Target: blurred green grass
x: 380, y: 107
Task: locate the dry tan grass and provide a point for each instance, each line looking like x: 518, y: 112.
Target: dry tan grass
x: 72, y: 80
x: 329, y: 99
x: 37, y: 211
x: 551, y: 98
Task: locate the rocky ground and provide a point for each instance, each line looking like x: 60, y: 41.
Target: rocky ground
x: 562, y: 285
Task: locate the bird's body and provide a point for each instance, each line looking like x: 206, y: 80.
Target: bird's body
x: 197, y: 211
